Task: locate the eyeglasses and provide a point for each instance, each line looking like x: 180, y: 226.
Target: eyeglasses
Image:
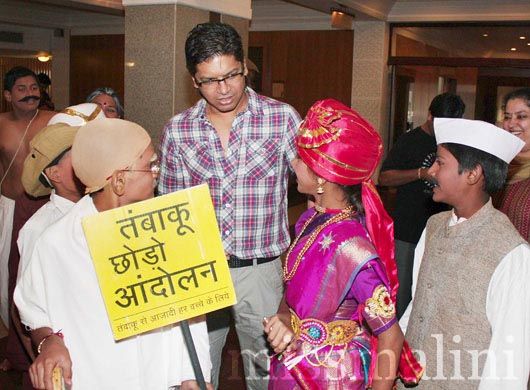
x: 520, y: 116
x: 154, y: 168
x: 212, y: 83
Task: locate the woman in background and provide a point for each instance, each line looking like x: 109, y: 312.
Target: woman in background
x: 514, y: 200
x: 108, y: 100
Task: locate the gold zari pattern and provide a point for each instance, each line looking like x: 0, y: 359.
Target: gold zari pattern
x: 333, y: 333
x: 380, y: 304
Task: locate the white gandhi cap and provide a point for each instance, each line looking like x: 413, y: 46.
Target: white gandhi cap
x: 479, y: 135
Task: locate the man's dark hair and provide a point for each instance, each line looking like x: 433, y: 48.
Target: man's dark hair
x: 44, y: 80
x: 447, y: 105
x: 493, y: 168
x: 521, y: 93
x: 14, y: 74
x: 208, y: 40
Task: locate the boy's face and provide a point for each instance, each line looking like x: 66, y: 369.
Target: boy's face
x: 450, y: 185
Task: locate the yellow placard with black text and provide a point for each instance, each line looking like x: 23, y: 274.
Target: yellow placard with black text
x: 159, y: 261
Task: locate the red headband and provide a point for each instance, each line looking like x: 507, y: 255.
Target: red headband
x: 338, y: 144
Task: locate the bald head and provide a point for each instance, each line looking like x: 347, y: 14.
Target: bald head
x: 104, y: 146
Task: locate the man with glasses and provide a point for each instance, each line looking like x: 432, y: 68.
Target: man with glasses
x: 241, y: 144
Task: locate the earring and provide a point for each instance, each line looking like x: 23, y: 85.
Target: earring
x: 320, y: 188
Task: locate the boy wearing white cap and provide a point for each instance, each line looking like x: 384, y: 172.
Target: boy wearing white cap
x: 470, y: 313
x: 58, y: 294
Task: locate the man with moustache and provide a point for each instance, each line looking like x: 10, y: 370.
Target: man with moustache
x: 241, y: 144
x: 17, y: 128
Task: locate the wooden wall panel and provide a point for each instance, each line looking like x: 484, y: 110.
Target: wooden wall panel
x: 96, y: 61
x: 408, y: 47
x: 312, y: 65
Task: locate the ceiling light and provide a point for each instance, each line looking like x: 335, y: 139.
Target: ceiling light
x: 484, y: 35
x: 44, y: 58
x: 528, y: 44
x: 513, y: 49
x: 522, y: 37
x: 342, y: 18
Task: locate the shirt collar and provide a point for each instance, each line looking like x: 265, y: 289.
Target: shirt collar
x: 455, y: 220
x: 64, y: 205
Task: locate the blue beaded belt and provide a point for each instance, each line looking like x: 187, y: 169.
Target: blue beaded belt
x: 318, y: 332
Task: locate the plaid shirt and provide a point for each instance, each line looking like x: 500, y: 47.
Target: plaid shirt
x: 248, y: 182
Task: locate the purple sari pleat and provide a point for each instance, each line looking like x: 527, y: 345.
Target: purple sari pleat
x: 321, y: 289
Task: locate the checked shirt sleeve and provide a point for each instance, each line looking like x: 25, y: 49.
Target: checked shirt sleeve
x: 171, y: 170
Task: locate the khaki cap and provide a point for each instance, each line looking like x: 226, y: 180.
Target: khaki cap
x: 46, y: 146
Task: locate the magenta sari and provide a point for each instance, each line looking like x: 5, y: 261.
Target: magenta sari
x: 338, y: 278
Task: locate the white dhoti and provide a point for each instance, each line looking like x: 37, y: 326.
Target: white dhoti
x: 7, y: 208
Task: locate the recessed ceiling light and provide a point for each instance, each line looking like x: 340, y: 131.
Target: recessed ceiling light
x: 522, y: 37
x: 513, y: 49
x: 528, y: 44
x: 484, y: 35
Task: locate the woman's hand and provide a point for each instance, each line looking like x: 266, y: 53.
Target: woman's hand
x: 279, y: 332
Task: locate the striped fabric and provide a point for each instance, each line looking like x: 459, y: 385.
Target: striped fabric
x: 514, y: 201
x: 248, y: 181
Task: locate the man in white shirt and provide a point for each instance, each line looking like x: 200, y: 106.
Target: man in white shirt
x: 58, y: 294
x: 469, y: 318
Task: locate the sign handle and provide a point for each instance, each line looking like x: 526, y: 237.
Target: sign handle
x: 185, y: 326
x: 57, y: 379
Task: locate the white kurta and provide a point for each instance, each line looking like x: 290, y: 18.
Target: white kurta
x: 508, y: 312
x: 7, y: 209
x: 40, y: 221
x: 59, y: 289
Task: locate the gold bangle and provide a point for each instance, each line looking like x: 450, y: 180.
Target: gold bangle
x: 59, y: 334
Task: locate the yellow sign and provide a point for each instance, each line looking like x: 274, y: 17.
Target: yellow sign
x: 159, y: 261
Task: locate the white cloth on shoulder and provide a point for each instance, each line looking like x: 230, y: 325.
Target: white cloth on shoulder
x: 7, y: 209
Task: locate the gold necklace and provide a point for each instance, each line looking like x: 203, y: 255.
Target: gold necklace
x: 322, y: 209
x: 289, y: 274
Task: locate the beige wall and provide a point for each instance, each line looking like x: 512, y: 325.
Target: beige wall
x: 158, y: 86
x: 370, y: 93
